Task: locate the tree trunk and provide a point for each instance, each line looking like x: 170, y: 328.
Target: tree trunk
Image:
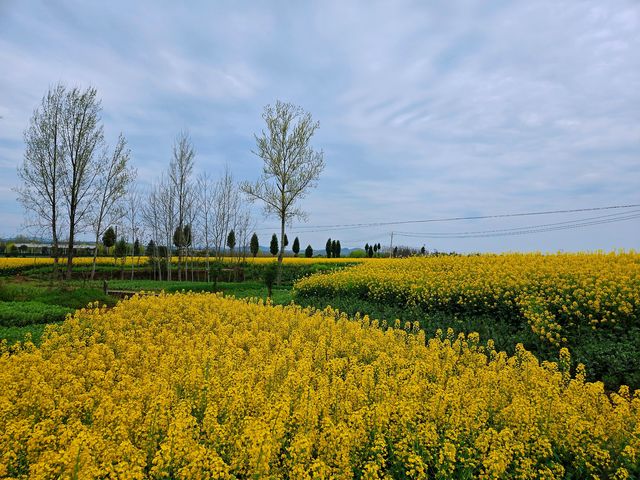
x: 179, y: 264
x: 281, y: 254
x: 168, y: 261
x: 55, y: 251
x: 70, y: 250
x: 207, y: 263
x: 95, y: 255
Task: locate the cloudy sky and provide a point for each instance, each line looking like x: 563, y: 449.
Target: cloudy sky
x: 427, y: 109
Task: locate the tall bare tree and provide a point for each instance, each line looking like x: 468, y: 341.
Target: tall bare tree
x: 290, y: 164
x: 226, y: 204
x: 205, y: 207
x: 192, y: 224
x: 83, y: 141
x: 166, y: 199
x: 151, y: 217
x: 132, y: 214
x: 41, y: 171
x: 111, y: 185
x: 180, y: 170
x: 244, y: 227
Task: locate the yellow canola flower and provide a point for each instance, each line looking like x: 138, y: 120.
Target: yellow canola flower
x: 199, y: 386
x: 553, y: 293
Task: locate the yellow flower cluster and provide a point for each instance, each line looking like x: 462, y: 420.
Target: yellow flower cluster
x: 554, y: 293
x: 15, y: 262
x: 194, y: 386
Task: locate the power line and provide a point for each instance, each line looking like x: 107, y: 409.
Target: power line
x: 528, y: 231
x: 529, y: 227
x: 348, y: 226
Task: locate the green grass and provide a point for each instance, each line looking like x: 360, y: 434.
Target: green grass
x: 72, y: 296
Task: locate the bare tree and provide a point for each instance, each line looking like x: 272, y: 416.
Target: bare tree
x: 226, y: 203
x: 151, y: 217
x: 291, y: 166
x: 166, y: 199
x: 112, y: 182
x: 244, y: 227
x: 189, y: 237
x: 205, y: 207
x: 132, y: 215
x: 41, y: 171
x: 180, y: 170
x: 83, y: 141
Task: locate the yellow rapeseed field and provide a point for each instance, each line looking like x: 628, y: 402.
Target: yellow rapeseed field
x: 15, y: 262
x: 554, y: 293
x: 199, y: 386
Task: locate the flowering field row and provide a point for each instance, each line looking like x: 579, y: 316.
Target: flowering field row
x: 199, y: 386
x: 554, y: 293
x: 17, y: 262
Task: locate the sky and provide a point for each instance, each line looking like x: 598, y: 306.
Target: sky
x: 427, y: 110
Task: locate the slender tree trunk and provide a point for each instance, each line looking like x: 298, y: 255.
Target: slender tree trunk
x: 168, y: 266
x: 207, y: 264
x: 281, y: 254
x: 179, y: 264
x: 71, y: 239
x: 55, y: 251
x: 95, y: 255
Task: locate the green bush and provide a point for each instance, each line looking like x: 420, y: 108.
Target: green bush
x: 20, y: 314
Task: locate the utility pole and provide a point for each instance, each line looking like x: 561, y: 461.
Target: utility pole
x: 391, y: 246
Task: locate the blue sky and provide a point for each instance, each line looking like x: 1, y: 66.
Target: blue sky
x: 427, y: 109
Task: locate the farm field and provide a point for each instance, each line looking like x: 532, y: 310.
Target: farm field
x: 27, y: 306
x: 12, y: 263
x: 196, y: 385
x: 30, y: 300
x: 587, y: 302
x: 410, y: 368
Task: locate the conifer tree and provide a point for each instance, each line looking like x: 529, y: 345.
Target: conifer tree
x: 109, y: 238
x: 296, y: 247
x: 273, y: 248
x: 231, y: 241
x: 255, y: 245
